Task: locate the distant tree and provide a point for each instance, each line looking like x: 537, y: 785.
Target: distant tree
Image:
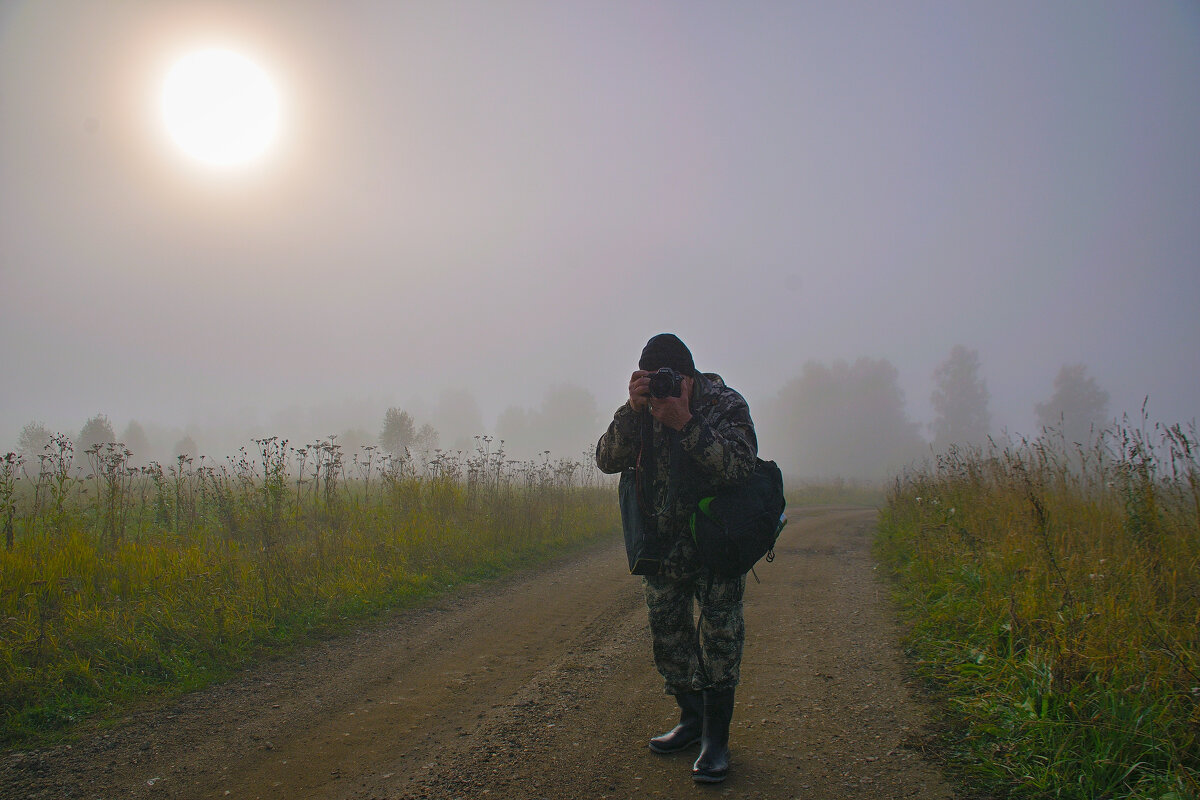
x: 398, y: 432
x: 136, y: 441
x: 1078, y: 408
x: 186, y: 447
x: 960, y: 401
x: 513, y: 427
x: 97, y: 430
x: 566, y: 423
x: 427, y: 439
x: 569, y: 420
x: 32, y: 440
x: 841, y: 420
x: 458, y: 418
x: 353, y: 440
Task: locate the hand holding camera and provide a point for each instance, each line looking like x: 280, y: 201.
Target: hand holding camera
x: 664, y: 393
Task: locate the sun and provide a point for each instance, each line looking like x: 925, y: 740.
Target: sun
x: 220, y: 107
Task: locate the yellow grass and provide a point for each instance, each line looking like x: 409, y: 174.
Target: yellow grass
x: 204, y: 569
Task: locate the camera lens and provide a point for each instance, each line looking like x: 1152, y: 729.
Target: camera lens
x: 665, y: 383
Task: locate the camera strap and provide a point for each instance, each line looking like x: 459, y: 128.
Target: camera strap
x: 646, y: 468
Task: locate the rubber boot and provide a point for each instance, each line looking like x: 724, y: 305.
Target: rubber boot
x: 691, y: 725
x: 713, y: 764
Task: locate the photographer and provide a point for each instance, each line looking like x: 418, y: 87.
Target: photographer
x: 689, y: 437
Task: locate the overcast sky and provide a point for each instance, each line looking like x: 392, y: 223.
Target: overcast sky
x: 501, y: 196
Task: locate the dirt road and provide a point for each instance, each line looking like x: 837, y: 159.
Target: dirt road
x: 541, y: 686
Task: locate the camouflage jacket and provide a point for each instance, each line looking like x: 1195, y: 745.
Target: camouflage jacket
x: 717, y: 447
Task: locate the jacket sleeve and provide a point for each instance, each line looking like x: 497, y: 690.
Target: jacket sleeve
x: 617, y: 448
x: 723, y: 445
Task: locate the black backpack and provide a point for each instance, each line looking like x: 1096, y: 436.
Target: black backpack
x: 737, y: 526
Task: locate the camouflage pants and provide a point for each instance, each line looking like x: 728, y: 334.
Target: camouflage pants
x: 671, y: 597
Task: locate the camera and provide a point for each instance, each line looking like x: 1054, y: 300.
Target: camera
x: 666, y: 383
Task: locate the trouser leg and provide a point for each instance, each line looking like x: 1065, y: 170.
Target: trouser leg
x: 713, y: 662
x: 672, y: 627
x: 722, y: 632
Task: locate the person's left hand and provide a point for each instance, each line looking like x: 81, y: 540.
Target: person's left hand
x: 674, y: 412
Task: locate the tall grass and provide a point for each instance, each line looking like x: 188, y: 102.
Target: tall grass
x: 1054, y: 595
x: 119, y: 581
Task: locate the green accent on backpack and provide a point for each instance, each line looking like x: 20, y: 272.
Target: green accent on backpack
x: 736, y: 527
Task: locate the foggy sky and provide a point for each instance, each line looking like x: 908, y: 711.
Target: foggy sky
x: 502, y: 197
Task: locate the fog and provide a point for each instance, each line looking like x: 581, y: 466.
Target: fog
x: 476, y: 208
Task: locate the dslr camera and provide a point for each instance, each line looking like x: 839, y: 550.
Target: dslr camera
x: 666, y: 383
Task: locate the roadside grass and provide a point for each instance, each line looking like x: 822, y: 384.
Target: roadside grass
x: 129, y: 582
x: 1053, y: 593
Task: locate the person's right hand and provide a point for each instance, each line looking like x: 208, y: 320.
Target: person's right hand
x: 639, y: 390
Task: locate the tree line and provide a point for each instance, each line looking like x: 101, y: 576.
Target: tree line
x: 840, y: 419
x: 849, y: 420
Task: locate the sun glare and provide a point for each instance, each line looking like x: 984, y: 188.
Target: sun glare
x: 220, y: 107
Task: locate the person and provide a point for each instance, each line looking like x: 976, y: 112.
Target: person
x: 687, y: 447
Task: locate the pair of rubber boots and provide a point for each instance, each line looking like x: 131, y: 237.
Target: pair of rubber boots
x: 703, y: 717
